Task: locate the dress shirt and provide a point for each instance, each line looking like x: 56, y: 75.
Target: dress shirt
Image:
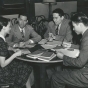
x: 24, y: 34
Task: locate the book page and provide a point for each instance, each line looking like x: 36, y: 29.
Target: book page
x: 55, y: 43
x: 48, y: 46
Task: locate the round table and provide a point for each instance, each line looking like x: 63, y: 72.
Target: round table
x: 42, y: 67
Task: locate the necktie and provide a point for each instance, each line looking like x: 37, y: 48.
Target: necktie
x: 56, y: 31
x: 22, y: 33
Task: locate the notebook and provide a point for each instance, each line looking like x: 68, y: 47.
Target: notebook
x: 46, y: 54
x: 47, y: 59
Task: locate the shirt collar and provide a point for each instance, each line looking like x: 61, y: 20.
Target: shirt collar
x: 2, y: 37
x: 21, y: 29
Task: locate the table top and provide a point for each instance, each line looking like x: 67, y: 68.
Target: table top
x: 24, y: 58
x: 36, y: 47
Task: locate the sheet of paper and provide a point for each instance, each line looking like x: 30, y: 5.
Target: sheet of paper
x: 55, y: 43
x: 47, y: 46
x: 69, y: 52
x: 43, y: 41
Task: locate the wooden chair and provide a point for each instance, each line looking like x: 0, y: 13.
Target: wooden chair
x: 39, y: 23
x: 66, y: 15
x: 14, y: 21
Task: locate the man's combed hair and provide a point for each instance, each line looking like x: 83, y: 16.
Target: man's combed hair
x: 23, y: 14
x: 59, y: 11
x: 3, y: 22
x: 80, y: 18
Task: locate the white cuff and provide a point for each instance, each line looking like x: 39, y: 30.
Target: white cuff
x: 31, y: 41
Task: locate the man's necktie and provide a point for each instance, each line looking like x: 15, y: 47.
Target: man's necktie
x: 22, y: 33
x: 56, y: 31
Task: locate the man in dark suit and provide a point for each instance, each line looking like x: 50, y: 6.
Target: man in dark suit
x: 22, y: 32
x: 59, y: 28
x: 76, y: 71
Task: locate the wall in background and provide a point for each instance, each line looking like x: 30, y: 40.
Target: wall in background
x: 68, y: 7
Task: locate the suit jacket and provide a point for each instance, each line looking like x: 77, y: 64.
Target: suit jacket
x: 65, y: 32
x: 80, y: 63
x: 15, y: 35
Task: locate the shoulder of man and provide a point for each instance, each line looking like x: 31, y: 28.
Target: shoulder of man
x: 29, y: 27
x: 51, y: 23
x: 66, y: 21
x: 14, y: 27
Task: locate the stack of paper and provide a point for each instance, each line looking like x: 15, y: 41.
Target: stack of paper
x: 55, y: 43
x: 48, y: 46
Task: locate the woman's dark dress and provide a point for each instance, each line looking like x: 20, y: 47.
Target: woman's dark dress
x: 17, y: 71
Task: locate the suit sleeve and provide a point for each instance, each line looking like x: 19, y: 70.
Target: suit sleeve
x: 46, y: 35
x: 68, y: 35
x: 35, y: 36
x: 81, y: 60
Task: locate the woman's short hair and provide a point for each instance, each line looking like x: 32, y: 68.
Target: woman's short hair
x: 59, y: 11
x: 80, y: 18
x: 3, y: 22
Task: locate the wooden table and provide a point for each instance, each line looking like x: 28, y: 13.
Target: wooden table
x: 42, y: 67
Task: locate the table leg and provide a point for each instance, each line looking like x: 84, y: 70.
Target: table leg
x: 42, y: 75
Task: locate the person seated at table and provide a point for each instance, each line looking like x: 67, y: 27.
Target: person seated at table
x: 59, y: 28
x: 11, y: 70
x: 75, y: 71
x: 22, y: 33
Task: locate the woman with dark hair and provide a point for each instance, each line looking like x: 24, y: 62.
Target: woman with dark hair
x: 12, y: 70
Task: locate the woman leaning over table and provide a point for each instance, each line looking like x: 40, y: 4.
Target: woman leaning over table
x: 12, y: 70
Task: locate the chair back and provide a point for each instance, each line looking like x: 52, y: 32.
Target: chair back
x: 66, y: 15
x: 39, y: 24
